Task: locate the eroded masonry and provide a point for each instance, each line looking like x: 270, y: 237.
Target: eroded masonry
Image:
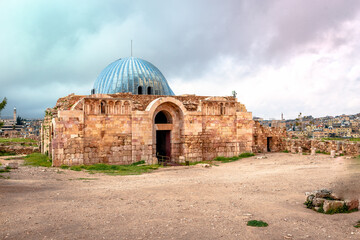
x: 132, y: 114
x: 123, y: 128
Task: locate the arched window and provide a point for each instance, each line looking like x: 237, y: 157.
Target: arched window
x: 149, y: 91
x: 163, y: 117
x: 140, y: 90
x: 103, y: 106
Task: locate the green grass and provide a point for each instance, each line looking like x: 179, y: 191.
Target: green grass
x: 285, y: 151
x: 357, y: 225
x: 257, y: 223
x: 6, y: 169
x: 232, y: 159
x: 341, y: 139
x: 3, y: 153
x: 343, y: 209
x: 38, y: 160
x: 132, y: 169
x: 318, y: 151
x: 18, y: 140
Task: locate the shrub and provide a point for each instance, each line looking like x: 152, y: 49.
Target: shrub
x: 257, y: 223
x: 4, y: 153
x: 357, y: 225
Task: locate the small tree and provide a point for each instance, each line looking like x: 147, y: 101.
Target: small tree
x: 19, y: 121
x: 2, y: 105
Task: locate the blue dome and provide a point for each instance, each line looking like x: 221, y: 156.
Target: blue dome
x: 132, y: 75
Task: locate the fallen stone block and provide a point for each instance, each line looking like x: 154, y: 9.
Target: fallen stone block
x: 352, y: 204
x: 317, y: 202
x: 332, y: 205
x: 323, y: 193
x: 13, y: 165
x: 205, y: 165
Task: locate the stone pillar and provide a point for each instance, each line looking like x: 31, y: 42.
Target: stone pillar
x: 300, y: 150
x: 14, y: 115
x: 313, y: 151
x: 332, y: 153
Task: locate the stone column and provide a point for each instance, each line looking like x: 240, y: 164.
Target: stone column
x: 313, y: 151
x: 300, y: 150
x: 332, y: 153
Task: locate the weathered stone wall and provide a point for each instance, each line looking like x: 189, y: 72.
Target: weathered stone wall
x: 341, y: 147
x: 18, y: 148
x: 261, y: 135
x: 120, y: 128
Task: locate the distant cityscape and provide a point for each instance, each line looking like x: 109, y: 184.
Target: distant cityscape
x: 343, y: 126
x: 18, y: 127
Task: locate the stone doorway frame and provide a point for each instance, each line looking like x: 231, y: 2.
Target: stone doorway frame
x: 177, y: 113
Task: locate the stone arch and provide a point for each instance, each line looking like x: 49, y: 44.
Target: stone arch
x: 163, y: 117
x: 117, y: 107
x: 127, y: 107
x: 102, y: 107
x: 172, y: 130
x: 155, y: 103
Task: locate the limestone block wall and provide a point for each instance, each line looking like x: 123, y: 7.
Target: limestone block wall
x: 261, y: 134
x: 208, y: 136
x: 67, y: 145
x: 341, y: 147
x: 141, y: 137
x: 120, y: 130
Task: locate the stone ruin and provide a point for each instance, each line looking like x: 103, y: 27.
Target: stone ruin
x: 325, y: 201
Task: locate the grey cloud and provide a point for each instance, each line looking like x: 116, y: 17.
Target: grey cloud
x: 70, y: 42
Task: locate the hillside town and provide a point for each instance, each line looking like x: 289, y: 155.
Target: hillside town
x: 342, y: 126
x: 17, y: 127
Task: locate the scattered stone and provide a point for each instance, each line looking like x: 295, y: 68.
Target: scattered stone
x: 326, y: 201
x: 332, y: 205
x: 317, y: 202
x: 352, y: 204
x: 261, y: 157
x: 323, y: 193
x: 13, y: 165
x: 205, y: 165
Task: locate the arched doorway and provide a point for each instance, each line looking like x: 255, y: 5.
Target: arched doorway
x: 163, y: 123
x: 172, y: 118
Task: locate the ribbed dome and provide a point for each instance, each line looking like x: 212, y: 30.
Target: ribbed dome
x: 132, y: 75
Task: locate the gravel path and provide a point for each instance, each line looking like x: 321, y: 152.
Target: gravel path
x: 180, y: 202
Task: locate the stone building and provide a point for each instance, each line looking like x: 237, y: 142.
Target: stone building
x: 132, y: 115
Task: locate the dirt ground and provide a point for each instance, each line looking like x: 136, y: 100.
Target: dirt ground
x: 180, y: 202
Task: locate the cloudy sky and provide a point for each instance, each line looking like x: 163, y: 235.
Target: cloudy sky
x: 283, y: 56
